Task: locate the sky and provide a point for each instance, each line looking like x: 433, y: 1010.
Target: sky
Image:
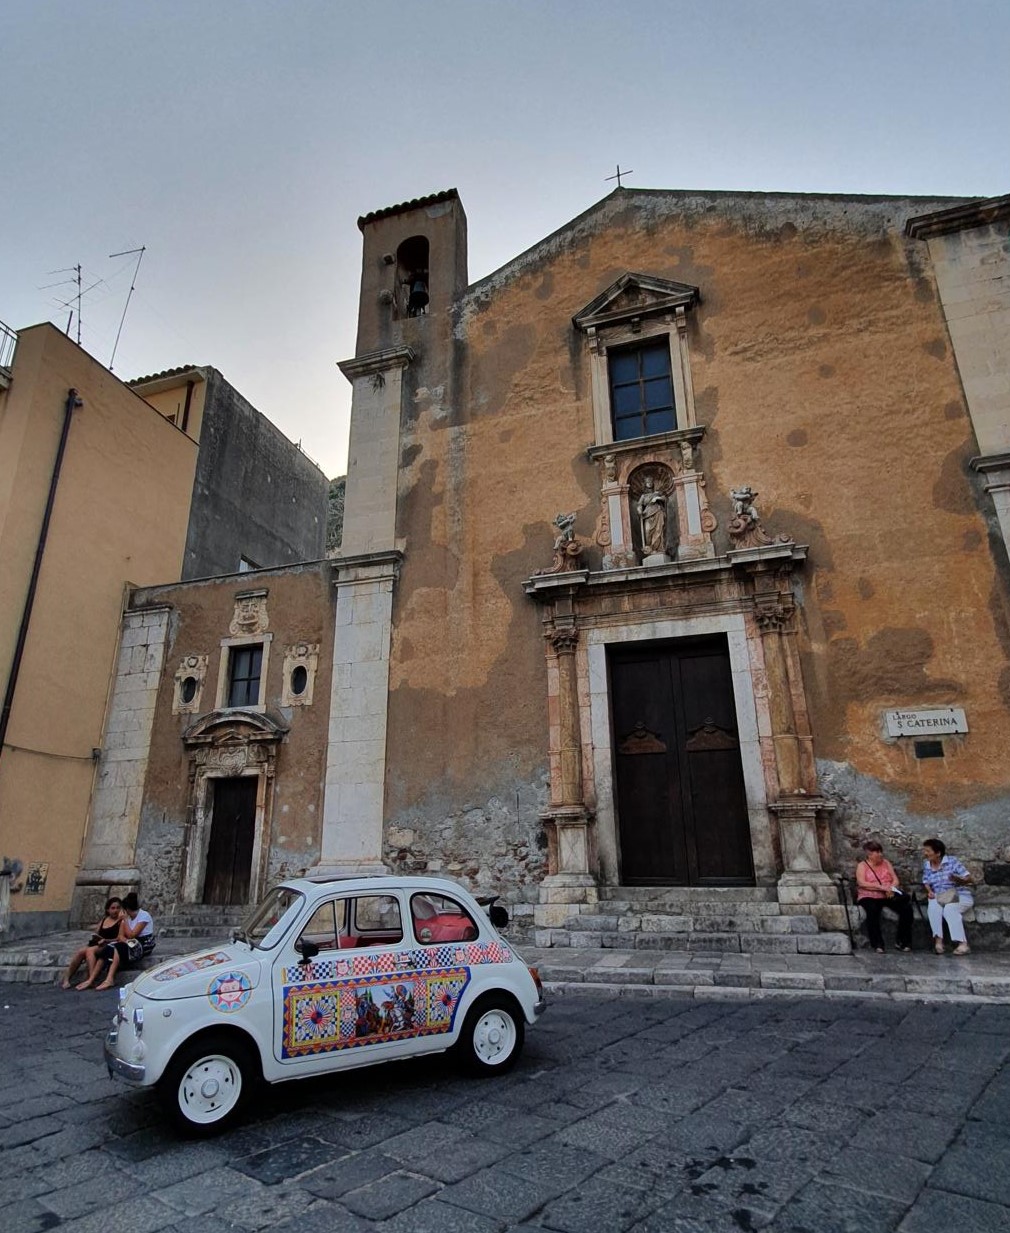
x: 240, y: 141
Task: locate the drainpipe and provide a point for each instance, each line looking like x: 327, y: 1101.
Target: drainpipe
x: 72, y: 403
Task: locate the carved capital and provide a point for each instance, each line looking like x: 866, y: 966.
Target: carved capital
x: 564, y: 639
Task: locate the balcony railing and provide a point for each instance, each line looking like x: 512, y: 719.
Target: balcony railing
x: 8, y: 341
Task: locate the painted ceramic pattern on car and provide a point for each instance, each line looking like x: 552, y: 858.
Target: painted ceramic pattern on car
x: 345, y: 1014
x: 192, y: 965
x: 229, y: 992
x: 380, y: 963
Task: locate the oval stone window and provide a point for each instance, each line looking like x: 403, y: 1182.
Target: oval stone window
x: 188, y: 691
x: 299, y: 679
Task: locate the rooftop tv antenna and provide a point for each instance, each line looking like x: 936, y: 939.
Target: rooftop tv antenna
x: 130, y: 252
x: 76, y: 271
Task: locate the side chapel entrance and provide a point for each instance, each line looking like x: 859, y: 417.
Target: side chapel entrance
x: 681, y: 805
x: 232, y: 836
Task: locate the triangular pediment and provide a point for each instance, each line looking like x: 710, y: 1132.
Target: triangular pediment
x: 635, y: 295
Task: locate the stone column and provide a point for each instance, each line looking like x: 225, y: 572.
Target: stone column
x: 803, y: 883
x: 353, y: 800
x: 567, y: 820
x: 109, y: 864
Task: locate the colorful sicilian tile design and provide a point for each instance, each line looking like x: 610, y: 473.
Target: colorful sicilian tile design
x: 229, y: 992
x: 361, y: 1011
x: 387, y: 962
x: 191, y: 965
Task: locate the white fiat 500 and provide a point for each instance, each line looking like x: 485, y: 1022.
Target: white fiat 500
x: 324, y: 976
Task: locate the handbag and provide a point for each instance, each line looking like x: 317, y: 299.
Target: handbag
x: 134, y: 950
x: 944, y: 898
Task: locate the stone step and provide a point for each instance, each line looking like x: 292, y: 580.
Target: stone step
x: 655, y: 922
x: 714, y: 943
x: 690, y: 894
x: 205, y: 915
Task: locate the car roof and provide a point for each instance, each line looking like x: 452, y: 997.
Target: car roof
x: 376, y: 884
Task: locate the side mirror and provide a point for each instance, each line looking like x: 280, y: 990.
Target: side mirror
x: 499, y: 917
x: 308, y: 950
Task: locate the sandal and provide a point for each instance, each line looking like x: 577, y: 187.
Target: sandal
x: 878, y: 950
x: 938, y: 946
x: 962, y: 949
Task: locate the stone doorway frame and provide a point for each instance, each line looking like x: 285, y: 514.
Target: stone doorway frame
x: 752, y: 721
x: 228, y: 745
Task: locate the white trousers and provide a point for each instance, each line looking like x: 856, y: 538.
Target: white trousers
x: 951, y: 913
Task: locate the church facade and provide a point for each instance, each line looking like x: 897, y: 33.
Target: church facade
x: 665, y: 571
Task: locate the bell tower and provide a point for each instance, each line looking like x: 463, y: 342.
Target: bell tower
x: 413, y: 271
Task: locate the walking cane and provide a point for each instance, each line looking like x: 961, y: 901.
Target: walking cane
x: 844, y: 883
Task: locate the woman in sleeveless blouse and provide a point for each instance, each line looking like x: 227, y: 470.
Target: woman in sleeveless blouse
x: 105, y: 931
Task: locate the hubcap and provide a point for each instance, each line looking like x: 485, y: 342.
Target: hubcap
x: 494, y: 1037
x: 210, y: 1089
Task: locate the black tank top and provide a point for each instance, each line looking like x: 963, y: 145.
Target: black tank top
x: 108, y: 932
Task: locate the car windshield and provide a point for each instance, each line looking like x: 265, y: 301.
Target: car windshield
x: 267, y: 924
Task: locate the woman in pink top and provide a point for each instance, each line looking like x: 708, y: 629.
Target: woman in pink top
x: 878, y: 887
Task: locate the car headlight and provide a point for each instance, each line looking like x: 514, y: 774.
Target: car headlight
x: 138, y: 1022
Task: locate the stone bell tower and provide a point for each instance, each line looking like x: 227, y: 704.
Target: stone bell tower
x: 413, y: 269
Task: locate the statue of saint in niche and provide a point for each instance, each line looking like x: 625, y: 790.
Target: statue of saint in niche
x: 652, y: 519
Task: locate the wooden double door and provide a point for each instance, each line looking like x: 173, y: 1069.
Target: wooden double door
x: 232, y: 835
x: 681, y: 805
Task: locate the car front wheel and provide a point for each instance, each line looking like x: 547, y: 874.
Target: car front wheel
x: 208, y: 1084
x: 492, y: 1037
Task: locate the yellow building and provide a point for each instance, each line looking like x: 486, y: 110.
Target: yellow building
x: 105, y: 486
x: 95, y: 490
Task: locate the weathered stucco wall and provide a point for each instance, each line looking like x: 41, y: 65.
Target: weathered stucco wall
x: 299, y: 605
x: 255, y: 494
x: 824, y: 378
x: 119, y: 517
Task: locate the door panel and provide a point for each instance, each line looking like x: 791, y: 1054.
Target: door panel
x: 232, y: 832
x: 679, y: 784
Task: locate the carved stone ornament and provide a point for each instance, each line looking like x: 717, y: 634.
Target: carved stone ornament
x: 564, y: 639
x: 771, y: 615
x: 746, y: 529
x: 300, y: 663
x: 567, y: 549
x: 250, y: 615
x: 189, y: 681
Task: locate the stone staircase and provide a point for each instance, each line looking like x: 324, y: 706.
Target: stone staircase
x: 698, y: 919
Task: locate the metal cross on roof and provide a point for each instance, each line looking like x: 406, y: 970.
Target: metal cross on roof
x: 619, y: 174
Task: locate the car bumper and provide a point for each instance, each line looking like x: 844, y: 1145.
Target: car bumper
x: 133, y: 1072
x: 539, y: 1008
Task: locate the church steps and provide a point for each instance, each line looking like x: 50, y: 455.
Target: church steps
x: 699, y: 919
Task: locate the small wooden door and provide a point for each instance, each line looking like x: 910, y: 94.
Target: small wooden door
x: 682, y: 809
x: 232, y: 830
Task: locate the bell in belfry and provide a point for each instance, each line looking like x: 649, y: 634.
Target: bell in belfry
x: 417, y: 301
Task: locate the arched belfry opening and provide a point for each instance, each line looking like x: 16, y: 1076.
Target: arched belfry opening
x: 412, y: 276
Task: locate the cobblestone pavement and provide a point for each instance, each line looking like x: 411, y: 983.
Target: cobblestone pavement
x: 661, y: 1115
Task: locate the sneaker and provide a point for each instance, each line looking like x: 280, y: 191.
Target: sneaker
x: 938, y: 946
x: 962, y: 948
x: 906, y: 949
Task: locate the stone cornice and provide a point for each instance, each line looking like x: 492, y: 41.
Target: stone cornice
x: 375, y: 362
x: 959, y: 218
x: 693, y: 435
x: 990, y: 462
x: 366, y: 567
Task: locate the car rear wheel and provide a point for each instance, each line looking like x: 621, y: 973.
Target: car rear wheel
x: 207, y: 1085
x: 492, y: 1037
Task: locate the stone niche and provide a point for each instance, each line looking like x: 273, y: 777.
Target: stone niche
x: 653, y: 505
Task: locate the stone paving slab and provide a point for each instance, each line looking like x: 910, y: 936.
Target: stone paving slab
x: 647, y: 1113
